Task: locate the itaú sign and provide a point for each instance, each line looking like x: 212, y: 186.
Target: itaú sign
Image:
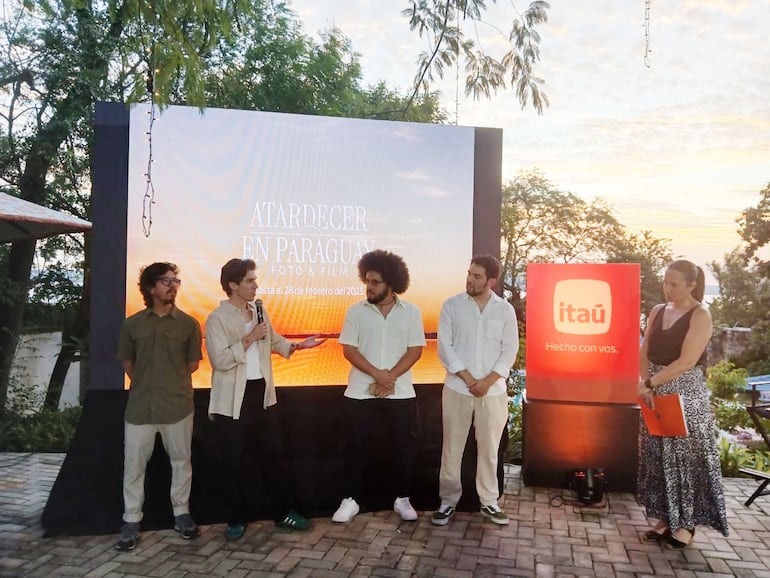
x: 583, y: 332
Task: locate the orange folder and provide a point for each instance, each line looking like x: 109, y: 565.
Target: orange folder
x: 667, y: 419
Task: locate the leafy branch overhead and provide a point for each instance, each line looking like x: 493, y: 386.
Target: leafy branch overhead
x: 441, y: 22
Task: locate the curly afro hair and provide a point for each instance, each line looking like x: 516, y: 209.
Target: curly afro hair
x: 393, y: 269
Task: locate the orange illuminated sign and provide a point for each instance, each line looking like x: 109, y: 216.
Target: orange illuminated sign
x: 583, y: 332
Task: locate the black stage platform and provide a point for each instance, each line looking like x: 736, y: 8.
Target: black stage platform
x: 87, y: 495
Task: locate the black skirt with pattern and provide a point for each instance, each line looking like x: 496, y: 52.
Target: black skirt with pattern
x: 680, y: 478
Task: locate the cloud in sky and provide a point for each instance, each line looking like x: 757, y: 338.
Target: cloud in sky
x: 679, y: 148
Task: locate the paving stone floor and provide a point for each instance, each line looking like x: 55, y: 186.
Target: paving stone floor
x: 549, y: 535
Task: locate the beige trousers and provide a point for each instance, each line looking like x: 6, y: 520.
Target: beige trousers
x: 139, y: 443
x: 489, y: 415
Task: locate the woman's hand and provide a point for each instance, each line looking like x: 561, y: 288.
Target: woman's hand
x: 646, y: 394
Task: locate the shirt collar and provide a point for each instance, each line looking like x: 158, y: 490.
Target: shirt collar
x: 233, y: 309
x: 174, y: 312
x: 398, y: 303
x: 493, y: 297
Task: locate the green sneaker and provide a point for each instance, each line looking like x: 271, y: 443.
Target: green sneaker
x: 235, y: 531
x: 293, y: 521
x: 494, y: 514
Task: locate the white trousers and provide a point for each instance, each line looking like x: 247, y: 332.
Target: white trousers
x: 489, y: 415
x: 139, y: 443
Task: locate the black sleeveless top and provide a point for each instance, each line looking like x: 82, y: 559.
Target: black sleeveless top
x: 665, y: 345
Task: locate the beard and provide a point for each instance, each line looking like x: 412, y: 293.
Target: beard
x: 474, y: 291
x: 376, y: 298
x: 168, y: 299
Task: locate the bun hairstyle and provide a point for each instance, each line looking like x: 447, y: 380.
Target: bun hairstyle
x: 692, y: 273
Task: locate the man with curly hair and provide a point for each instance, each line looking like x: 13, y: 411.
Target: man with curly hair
x: 382, y: 338
x: 160, y: 348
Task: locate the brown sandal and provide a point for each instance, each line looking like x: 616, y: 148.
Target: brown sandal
x: 674, y: 544
x: 655, y: 537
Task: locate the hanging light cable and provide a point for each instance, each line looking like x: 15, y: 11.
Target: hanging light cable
x: 457, y: 66
x: 149, y: 190
x: 647, y: 49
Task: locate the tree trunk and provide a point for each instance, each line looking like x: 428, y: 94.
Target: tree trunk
x: 12, y: 309
x: 74, y: 343
x: 32, y: 187
x: 60, y: 368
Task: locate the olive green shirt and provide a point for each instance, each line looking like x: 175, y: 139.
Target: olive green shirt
x: 162, y: 349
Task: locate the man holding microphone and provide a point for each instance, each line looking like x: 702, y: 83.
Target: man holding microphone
x: 239, y: 342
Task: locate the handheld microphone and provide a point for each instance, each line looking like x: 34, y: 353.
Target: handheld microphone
x: 260, y: 312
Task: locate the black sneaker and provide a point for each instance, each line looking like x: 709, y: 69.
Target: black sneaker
x: 293, y: 521
x: 186, y: 527
x: 442, y: 516
x: 494, y: 514
x: 129, y: 536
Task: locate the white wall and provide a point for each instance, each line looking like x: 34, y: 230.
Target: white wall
x: 33, y: 364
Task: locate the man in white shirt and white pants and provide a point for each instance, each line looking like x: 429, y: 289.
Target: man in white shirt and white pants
x: 478, y: 339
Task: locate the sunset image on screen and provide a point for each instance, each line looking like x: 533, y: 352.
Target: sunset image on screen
x: 304, y: 197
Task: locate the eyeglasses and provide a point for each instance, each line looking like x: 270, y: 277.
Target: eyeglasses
x: 169, y: 281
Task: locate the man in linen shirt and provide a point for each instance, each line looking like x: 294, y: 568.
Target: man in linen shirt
x: 478, y: 339
x: 382, y: 338
x: 160, y: 348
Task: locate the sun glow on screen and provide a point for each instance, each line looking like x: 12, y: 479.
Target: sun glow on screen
x: 303, y: 196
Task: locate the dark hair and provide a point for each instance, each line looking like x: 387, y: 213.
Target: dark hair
x: 234, y: 271
x: 150, y: 274
x: 489, y: 263
x: 692, y: 273
x: 393, y: 269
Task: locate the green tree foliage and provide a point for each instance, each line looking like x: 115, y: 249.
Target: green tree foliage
x: 652, y: 254
x: 442, y: 22
x: 754, y: 224
x: 744, y: 286
x: 725, y: 380
x: 744, y: 294
x: 727, y: 383
x: 272, y: 65
x: 60, y: 56
x: 542, y: 224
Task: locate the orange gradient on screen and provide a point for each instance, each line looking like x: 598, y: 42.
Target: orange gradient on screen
x: 269, y: 187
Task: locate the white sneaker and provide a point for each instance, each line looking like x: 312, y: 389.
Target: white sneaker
x: 346, y: 512
x: 405, y: 509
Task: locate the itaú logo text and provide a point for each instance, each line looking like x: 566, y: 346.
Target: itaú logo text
x: 582, y: 306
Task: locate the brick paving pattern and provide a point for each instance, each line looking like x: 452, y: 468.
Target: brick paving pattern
x: 549, y: 535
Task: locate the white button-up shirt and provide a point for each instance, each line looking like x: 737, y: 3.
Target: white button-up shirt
x: 382, y: 341
x: 479, y: 341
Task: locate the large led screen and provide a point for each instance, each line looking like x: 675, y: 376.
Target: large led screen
x: 305, y: 197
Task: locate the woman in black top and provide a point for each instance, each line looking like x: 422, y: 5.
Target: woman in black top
x: 679, y: 480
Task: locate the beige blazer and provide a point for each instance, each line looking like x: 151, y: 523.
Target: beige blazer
x: 224, y: 331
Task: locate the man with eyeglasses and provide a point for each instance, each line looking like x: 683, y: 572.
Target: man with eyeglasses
x: 160, y: 348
